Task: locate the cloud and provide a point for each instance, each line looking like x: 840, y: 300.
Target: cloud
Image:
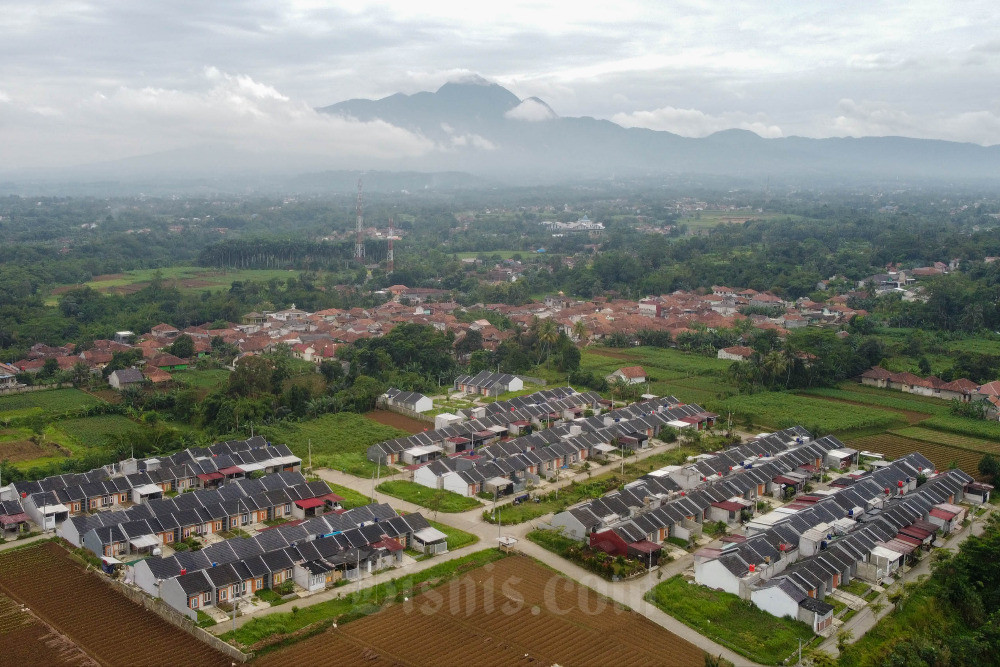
x: 875, y: 118
x: 695, y: 123
x: 532, y: 110
x: 470, y: 140
x: 235, y: 111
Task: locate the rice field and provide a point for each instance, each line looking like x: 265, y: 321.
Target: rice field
x: 942, y: 456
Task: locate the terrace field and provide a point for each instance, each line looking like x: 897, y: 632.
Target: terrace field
x: 781, y: 409
x: 43, y: 403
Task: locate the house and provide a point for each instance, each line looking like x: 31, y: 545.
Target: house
x: 876, y: 377
x: 430, y: 540
x: 735, y: 353
x: 488, y: 384
x: 631, y: 374
x: 841, y: 458
x: 8, y: 376
x: 125, y: 377
x: 168, y: 362
x: 13, y: 519
x: 782, y: 597
x: 407, y: 400
x: 978, y: 492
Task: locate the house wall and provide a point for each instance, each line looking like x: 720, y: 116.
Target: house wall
x: 451, y: 481
x: 775, y: 601
x: 143, y: 577
x: 714, y: 575
x: 570, y: 525
x: 426, y: 477
x: 172, y: 593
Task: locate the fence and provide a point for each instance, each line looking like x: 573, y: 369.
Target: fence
x: 174, y: 617
x: 24, y: 389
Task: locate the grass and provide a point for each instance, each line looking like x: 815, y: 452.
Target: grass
x: 554, y: 501
x: 202, y: 379
x: 44, y: 402
x: 212, y: 280
x: 856, y: 587
x: 339, y: 441
x: 976, y: 428
x: 438, y: 500
x: 359, y: 604
x: 730, y: 621
x: 782, y: 410
x: 94, y: 432
x: 204, y: 620
x: 351, y: 497
x: 884, y: 398
x: 456, y: 538
x: 272, y: 597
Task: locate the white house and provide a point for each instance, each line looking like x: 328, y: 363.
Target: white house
x: 735, y: 353
x: 631, y: 374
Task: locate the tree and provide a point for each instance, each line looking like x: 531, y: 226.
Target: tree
x: 49, y: 368
x: 81, y: 374
x: 252, y: 376
x: 548, y: 334
x: 183, y: 347
x: 989, y: 466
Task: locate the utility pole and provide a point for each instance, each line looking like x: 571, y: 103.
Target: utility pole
x: 359, y: 242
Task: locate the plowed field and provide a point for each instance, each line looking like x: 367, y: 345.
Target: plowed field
x: 28, y: 641
x: 940, y: 455
x: 403, y: 422
x: 105, y: 625
x: 514, y: 612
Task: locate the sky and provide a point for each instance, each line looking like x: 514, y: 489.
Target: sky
x: 84, y: 81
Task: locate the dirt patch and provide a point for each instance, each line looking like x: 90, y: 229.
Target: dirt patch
x: 403, y: 422
x: 105, y: 624
x: 29, y: 641
x: 16, y: 451
x: 108, y: 276
x: 514, y: 612
x: 194, y: 283
x: 64, y: 289
x: 123, y: 289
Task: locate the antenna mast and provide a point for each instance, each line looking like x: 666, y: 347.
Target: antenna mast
x: 391, y: 234
x: 359, y: 243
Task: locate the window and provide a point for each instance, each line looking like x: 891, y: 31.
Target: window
x: 222, y: 594
x: 168, y: 537
x: 194, y: 603
x: 258, y: 583
x: 123, y: 498
x: 218, y: 525
x: 206, y: 598
x: 288, y: 508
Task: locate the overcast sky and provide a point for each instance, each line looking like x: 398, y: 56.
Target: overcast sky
x: 84, y: 80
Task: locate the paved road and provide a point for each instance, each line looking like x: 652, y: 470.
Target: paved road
x: 27, y: 540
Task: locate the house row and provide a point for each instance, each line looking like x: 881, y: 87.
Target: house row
x: 961, y: 389
x: 141, y: 528
x: 407, y: 400
x: 676, y: 501
x: 508, y: 466
x: 482, y: 425
x: 864, y: 530
x: 50, y: 501
x: 314, y: 554
x: 488, y: 384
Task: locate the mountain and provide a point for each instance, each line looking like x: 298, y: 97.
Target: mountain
x: 485, y: 129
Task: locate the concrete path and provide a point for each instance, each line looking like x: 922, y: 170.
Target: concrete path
x: 12, y: 544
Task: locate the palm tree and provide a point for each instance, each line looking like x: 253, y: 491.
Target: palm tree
x: 580, y: 331
x: 548, y: 334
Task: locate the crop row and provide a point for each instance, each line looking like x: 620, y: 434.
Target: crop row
x: 942, y: 456
x: 782, y: 410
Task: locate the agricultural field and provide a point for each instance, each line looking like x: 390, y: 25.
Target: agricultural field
x: 43, y: 403
x: 498, y: 615
x: 781, y: 410
x: 918, y: 407
x: 339, y: 441
x: 94, y: 432
x: 190, y: 279
x: 396, y: 420
x: 951, y: 439
x: 976, y: 428
x: 730, y: 621
x: 201, y: 379
x: 942, y: 456
x: 438, y: 500
x: 27, y: 640
x: 78, y: 605
x: 19, y: 445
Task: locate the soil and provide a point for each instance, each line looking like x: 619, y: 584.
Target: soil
x: 29, y: 641
x: 403, y: 422
x: 90, y: 615
x: 25, y: 450
x: 614, y: 354
x: 514, y: 612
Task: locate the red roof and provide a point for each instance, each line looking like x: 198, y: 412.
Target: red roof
x: 308, y: 503
x: 332, y: 497
x: 942, y: 514
x: 210, y: 475
x: 632, y: 372
x: 388, y: 543
x: 781, y: 479
x: 11, y: 519
x: 645, y: 546
x: 728, y: 505
x: 231, y: 470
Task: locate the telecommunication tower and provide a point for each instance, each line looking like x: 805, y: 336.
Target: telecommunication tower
x: 359, y: 243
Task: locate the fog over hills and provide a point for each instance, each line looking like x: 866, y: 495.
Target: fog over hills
x: 474, y: 133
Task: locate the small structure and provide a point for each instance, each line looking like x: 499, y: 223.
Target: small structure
x: 407, y: 400
x: 430, y: 540
x: 631, y: 374
x: 735, y: 353
x: 126, y: 377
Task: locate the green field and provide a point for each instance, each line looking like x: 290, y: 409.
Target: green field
x: 44, y: 402
x: 339, y: 441
x: 976, y: 428
x: 438, y: 500
x: 94, y: 432
x: 456, y: 538
x: 185, y: 277
x: 351, y: 497
x: 942, y: 456
x: 202, y: 379
x: 730, y: 621
x: 885, y: 398
x: 782, y: 410
x: 504, y: 254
